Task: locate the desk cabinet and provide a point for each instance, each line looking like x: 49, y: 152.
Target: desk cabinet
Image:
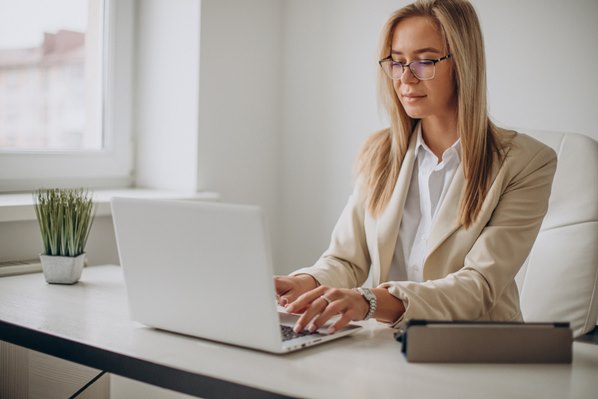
x: 27, y: 374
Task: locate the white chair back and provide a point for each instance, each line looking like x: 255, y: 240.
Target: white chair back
x: 559, y: 281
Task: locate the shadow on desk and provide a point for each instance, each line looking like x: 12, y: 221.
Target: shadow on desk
x: 589, y: 338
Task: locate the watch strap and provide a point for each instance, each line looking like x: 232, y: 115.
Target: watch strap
x: 370, y: 297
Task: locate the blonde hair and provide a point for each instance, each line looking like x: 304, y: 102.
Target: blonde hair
x: 381, y: 155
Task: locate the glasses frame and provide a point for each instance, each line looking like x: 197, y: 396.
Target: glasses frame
x: 403, y: 66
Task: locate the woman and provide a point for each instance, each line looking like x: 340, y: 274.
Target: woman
x: 446, y: 205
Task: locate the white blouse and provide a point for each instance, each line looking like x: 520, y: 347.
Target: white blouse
x: 430, y: 181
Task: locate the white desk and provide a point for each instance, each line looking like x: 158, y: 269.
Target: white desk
x: 88, y: 323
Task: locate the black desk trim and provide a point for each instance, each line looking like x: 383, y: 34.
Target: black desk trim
x: 130, y: 367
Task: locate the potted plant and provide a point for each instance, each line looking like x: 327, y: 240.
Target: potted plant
x: 65, y: 217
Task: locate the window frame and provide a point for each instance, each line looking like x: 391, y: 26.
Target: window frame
x: 112, y: 166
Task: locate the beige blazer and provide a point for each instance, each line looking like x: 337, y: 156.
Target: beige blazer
x: 469, y: 274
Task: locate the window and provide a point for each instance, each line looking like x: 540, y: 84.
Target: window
x: 65, y: 93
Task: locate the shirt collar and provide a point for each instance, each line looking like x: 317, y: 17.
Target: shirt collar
x: 420, y: 145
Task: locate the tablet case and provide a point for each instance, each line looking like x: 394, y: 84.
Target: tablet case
x: 486, y: 342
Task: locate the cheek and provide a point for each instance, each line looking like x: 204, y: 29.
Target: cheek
x: 443, y: 92
x: 449, y: 88
x: 451, y: 93
x: 396, y: 84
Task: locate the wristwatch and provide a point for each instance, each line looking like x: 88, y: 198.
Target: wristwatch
x: 369, y: 296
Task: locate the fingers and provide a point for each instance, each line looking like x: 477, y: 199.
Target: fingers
x: 340, y: 323
x: 319, y: 305
x: 344, y: 306
x: 282, y: 287
x: 286, y: 290
x: 335, y: 308
x: 282, y: 284
x: 305, y: 299
x: 313, y: 309
x: 289, y: 288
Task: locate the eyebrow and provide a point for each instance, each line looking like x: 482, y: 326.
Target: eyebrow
x: 418, y: 51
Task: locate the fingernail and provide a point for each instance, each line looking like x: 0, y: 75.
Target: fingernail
x: 331, y: 330
x: 297, y: 329
x: 312, y: 327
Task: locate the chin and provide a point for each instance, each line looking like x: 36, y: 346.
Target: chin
x: 414, y: 114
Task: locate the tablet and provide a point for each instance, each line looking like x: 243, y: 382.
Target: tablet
x: 486, y: 342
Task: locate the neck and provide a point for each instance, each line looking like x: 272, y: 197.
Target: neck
x: 439, y: 133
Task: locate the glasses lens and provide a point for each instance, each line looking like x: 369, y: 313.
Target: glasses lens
x: 396, y: 69
x: 423, y: 70
x: 393, y: 69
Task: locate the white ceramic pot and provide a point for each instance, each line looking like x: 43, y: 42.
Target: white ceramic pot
x: 62, y: 269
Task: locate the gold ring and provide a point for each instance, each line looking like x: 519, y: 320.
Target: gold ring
x: 324, y: 297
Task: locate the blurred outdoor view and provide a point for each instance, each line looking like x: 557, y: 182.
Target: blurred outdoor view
x: 50, y: 75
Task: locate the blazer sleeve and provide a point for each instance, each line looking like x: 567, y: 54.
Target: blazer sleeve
x: 346, y: 262
x: 496, y: 255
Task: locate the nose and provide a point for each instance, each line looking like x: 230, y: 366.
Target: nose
x: 408, y: 76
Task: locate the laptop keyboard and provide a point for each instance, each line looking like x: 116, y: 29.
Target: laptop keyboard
x: 287, y: 333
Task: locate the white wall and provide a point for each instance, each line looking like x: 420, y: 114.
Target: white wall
x: 542, y: 75
x: 542, y: 63
x: 329, y: 102
x: 166, y: 99
x: 240, y: 111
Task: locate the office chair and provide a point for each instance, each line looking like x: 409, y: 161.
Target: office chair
x: 559, y: 280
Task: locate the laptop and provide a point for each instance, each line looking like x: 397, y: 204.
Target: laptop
x: 205, y: 270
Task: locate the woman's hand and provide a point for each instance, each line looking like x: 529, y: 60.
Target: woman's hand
x: 289, y: 288
x: 320, y: 304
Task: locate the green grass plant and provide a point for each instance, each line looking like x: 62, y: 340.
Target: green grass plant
x: 65, y: 217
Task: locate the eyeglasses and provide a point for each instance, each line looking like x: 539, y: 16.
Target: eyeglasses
x: 421, y: 69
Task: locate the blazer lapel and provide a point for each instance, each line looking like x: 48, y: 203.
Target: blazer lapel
x: 387, y: 225
x: 447, y: 219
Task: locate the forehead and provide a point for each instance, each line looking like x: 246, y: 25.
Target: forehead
x: 414, y: 33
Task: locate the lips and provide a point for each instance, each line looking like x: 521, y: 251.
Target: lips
x: 412, y: 97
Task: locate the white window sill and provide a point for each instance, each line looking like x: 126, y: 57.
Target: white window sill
x: 19, y: 207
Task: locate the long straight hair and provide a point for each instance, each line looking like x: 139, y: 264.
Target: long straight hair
x: 381, y: 156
